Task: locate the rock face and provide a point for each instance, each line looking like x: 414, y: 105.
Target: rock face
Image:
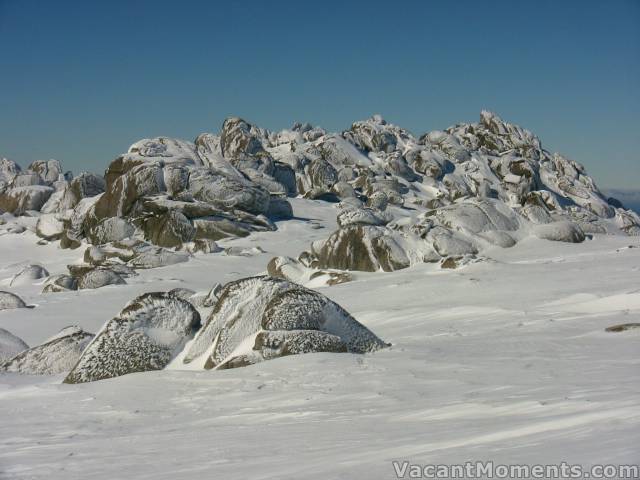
x: 145, y: 335
x: 260, y: 318
x: 10, y: 345
x: 56, y: 355
x: 9, y: 301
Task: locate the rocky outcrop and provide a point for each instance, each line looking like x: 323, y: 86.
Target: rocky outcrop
x: 261, y: 318
x: 402, y: 199
x: 146, y: 335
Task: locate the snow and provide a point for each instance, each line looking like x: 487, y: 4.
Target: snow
x: 505, y: 360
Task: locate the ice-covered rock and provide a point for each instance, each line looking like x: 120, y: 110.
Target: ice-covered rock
x: 261, y: 318
x: 56, y: 355
x: 10, y: 345
x: 146, y: 335
x: 9, y: 301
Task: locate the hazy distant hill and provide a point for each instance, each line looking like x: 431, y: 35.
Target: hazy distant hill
x: 630, y: 198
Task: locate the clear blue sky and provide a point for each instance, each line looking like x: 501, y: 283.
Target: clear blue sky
x: 80, y: 81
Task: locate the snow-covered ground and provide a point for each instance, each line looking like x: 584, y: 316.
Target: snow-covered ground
x: 505, y: 360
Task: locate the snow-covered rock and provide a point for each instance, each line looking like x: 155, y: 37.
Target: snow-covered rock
x: 10, y: 345
x: 261, y: 318
x: 56, y: 355
x: 99, y: 277
x: 112, y: 229
x: 363, y: 216
x: 28, y: 275
x: 49, y: 226
x: 8, y: 170
x: 9, y: 301
x: 476, y: 185
x: 146, y: 335
x: 60, y: 283
x: 563, y: 231
x: 363, y: 247
x: 297, y: 272
x: 21, y: 199
x: 153, y: 257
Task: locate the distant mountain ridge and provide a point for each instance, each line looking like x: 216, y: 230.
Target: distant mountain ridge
x: 630, y: 198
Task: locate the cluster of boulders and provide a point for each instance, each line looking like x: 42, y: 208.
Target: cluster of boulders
x: 251, y: 320
x: 401, y: 198
x: 444, y: 197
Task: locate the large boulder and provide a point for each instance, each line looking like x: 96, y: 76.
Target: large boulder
x: 127, y: 180
x: 50, y: 226
x: 228, y: 193
x: 260, y: 318
x: 170, y: 229
x: 146, y: 335
x: 83, y: 186
x: 112, y: 229
x: 56, y: 355
x: 19, y: 200
x: 98, y: 278
x: 365, y: 248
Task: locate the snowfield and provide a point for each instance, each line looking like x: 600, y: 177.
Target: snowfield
x: 505, y: 360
